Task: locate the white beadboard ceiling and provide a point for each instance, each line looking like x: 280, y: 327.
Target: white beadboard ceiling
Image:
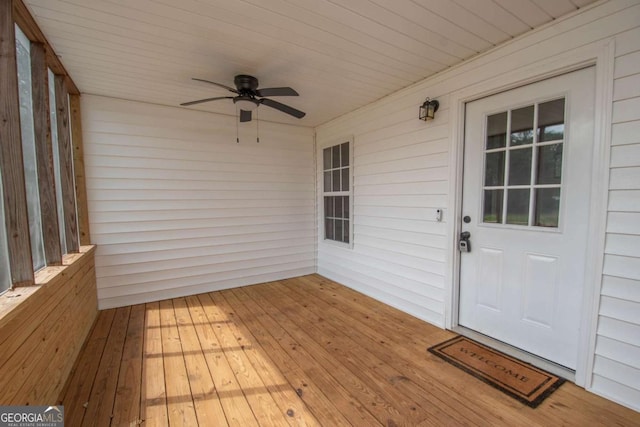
x: 338, y: 54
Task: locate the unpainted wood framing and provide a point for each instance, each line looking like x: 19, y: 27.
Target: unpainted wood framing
x: 78, y: 169
x: 44, y: 153
x: 66, y: 166
x: 11, y: 164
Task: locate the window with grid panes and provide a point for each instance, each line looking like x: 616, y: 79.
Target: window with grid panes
x: 336, y: 192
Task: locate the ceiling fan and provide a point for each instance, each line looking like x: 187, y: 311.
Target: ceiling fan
x: 249, y: 97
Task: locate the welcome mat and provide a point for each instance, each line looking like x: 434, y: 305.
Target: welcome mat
x: 520, y: 380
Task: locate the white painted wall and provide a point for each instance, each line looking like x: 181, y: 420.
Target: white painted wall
x: 177, y: 207
x: 402, y: 256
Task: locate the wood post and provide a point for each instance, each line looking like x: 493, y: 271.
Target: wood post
x: 44, y: 155
x: 78, y: 168
x: 11, y: 164
x: 66, y: 165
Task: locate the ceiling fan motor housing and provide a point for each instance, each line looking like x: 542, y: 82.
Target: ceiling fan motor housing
x: 246, y: 84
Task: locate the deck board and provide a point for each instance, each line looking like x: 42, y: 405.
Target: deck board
x: 303, y: 351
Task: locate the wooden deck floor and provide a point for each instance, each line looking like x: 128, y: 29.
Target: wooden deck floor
x: 303, y: 351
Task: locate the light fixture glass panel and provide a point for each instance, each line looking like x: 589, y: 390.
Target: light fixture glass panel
x: 246, y: 105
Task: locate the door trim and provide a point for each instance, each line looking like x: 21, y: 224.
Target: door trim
x: 601, y: 55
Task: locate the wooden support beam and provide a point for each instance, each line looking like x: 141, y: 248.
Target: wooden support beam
x: 78, y: 168
x: 11, y: 165
x: 66, y: 166
x: 44, y: 155
x: 28, y: 25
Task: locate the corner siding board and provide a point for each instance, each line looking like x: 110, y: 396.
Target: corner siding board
x: 178, y: 207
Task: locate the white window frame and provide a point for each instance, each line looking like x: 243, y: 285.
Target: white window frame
x: 321, y: 191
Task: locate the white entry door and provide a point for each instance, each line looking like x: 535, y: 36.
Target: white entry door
x: 526, y: 191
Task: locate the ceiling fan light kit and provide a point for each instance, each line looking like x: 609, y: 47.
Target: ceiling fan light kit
x: 246, y: 103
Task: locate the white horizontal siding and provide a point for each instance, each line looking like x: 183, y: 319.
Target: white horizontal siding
x: 401, y: 177
x: 617, y: 362
x: 176, y: 206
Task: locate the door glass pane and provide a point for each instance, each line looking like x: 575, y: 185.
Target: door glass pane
x: 497, y: 130
x: 345, y: 179
x: 492, y: 212
x: 549, y: 164
x: 29, y: 149
x: 344, y: 154
x: 326, y: 158
x: 522, y: 126
x: 494, y: 169
x: 335, y: 162
x: 547, y: 207
x: 551, y: 120
x: 520, y: 166
x: 336, y: 180
x: 518, y: 207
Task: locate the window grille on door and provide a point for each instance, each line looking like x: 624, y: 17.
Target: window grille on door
x: 523, y: 165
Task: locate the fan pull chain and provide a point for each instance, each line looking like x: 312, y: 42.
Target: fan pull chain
x: 257, y: 128
x: 237, y: 131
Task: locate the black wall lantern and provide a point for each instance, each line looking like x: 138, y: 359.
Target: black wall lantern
x: 428, y: 109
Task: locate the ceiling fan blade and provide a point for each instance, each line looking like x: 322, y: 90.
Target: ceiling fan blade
x: 284, y: 108
x: 245, y: 116
x: 217, y: 84
x: 276, y: 91
x: 200, y: 101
